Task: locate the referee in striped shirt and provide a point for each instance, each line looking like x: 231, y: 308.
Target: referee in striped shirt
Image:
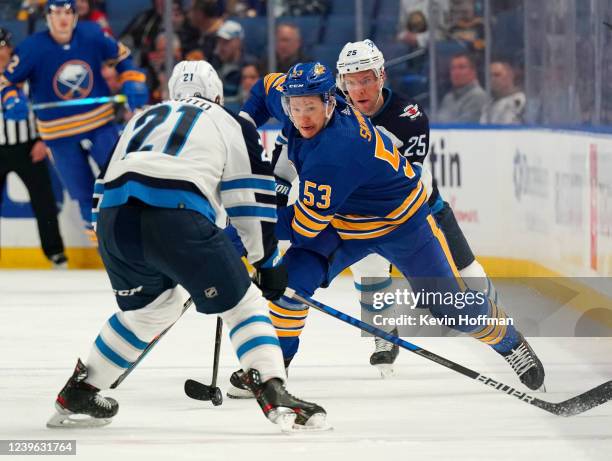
x: 24, y: 153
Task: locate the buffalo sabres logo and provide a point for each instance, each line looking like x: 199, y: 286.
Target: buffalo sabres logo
x: 412, y: 111
x: 319, y: 69
x: 73, y: 80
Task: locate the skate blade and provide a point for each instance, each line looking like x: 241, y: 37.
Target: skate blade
x: 316, y: 423
x: 236, y: 393
x: 283, y: 417
x: 386, y: 370
x: 63, y: 419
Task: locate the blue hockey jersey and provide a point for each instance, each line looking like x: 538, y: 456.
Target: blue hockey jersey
x: 59, y: 72
x: 351, y: 175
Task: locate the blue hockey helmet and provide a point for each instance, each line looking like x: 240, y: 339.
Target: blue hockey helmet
x: 51, y: 4
x: 310, y: 79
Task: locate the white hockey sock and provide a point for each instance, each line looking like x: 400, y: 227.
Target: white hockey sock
x: 372, y: 280
x: 254, y: 337
x: 126, y: 334
x: 476, y: 279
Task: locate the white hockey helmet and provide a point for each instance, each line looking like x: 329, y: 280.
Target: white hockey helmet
x: 357, y: 57
x: 195, y: 78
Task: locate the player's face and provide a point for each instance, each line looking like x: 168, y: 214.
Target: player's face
x: 61, y: 23
x: 364, y: 90
x: 308, y: 113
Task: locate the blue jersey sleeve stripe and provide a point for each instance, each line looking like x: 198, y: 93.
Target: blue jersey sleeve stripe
x: 126, y: 334
x: 251, y: 183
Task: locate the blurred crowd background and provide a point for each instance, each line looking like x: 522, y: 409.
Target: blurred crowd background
x: 546, y: 62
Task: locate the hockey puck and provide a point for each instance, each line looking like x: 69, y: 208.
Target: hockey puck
x: 216, y: 396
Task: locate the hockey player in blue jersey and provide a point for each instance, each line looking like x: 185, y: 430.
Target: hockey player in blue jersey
x: 359, y: 196
x: 62, y: 64
x: 178, y: 171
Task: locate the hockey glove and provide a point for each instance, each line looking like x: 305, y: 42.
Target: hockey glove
x: 135, y: 89
x: 282, y: 192
x: 15, y: 104
x: 271, y: 277
x: 272, y: 281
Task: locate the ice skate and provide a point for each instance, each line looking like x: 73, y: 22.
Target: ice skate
x: 282, y: 408
x: 384, y: 355
x: 80, y: 405
x: 237, y: 389
x: 526, y: 364
x: 59, y: 261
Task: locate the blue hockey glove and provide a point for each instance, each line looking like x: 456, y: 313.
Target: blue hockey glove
x: 135, y: 89
x: 15, y: 104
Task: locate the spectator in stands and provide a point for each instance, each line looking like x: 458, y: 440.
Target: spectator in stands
x: 507, y: 105
x: 230, y: 56
x: 464, y: 103
x: 139, y: 35
x: 207, y: 17
x: 88, y: 11
x: 288, y: 48
x: 465, y: 25
x: 188, y: 35
x: 157, y: 78
x: 248, y: 77
x: 414, y: 21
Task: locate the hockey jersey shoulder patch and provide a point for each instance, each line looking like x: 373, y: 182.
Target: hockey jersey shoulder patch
x: 412, y: 111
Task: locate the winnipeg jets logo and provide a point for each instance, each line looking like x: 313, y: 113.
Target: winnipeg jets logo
x: 412, y: 111
x: 73, y: 80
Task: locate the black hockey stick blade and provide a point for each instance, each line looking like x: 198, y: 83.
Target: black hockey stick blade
x: 579, y: 404
x: 570, y: 407
x: 200, y: 391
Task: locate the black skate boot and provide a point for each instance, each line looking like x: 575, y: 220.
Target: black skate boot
x: 526, y: 364
x: 282, y: 408
x: 384, y: 355
x: 237, y: 389
x: 78, y: 398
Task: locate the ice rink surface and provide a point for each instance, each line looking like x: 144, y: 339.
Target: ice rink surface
x: 48, y: 319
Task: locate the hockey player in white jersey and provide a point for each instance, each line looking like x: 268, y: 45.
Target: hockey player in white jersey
x: 179, y: 171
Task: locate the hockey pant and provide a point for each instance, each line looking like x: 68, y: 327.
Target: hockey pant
x: 372, y: 274
x: 71, y: 157
x: 421, y: 255
x: 147, y: 252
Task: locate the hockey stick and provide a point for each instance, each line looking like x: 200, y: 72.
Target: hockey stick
x: 570, y: 407
x: 200, y: 391
x: 150, y: 346
x: 119, y: 98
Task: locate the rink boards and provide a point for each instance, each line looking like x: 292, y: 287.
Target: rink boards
x: 530, y: 201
